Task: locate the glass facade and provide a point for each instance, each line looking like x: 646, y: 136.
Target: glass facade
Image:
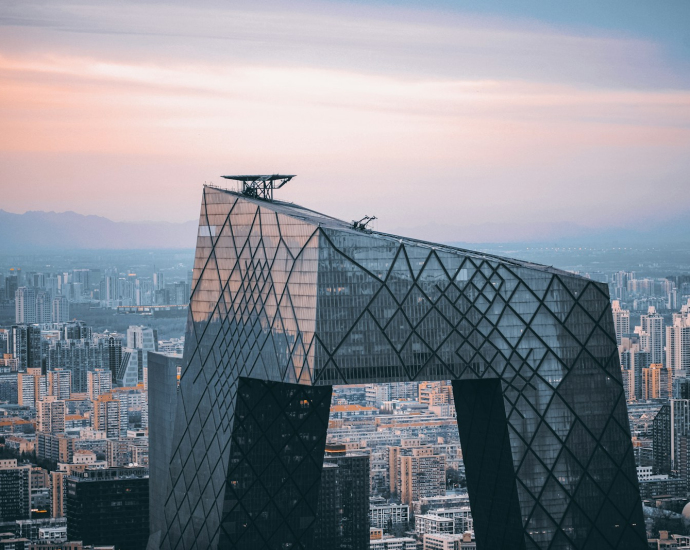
x: 287, y: 302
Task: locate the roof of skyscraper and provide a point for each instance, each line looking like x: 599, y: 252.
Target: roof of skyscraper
x: 329, y: 222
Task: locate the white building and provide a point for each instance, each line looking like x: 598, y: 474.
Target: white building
x: 678, y: 345
x: 381, y: 514
x: 652, y: 335
x: 25, y: 306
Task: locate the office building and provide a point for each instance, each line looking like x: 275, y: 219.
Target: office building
x: 108, y: 506
x: 353, y: 488
x: 162, y: 395
x: 127, y: 373
x: 287, y: 302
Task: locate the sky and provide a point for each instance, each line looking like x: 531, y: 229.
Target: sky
x: 442, y: 118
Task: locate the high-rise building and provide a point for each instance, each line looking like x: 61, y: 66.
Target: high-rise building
x: 640, y: 360
x: 678, y: 345
x: 422, y: 474
x: 162, y: 394
x: 50, y: 413
x: 25, y: 345
x: 31, y: 387
x: 680, y: 427
x: 352, y: 481
x: 657, y: 382
x: 112, y: 355
x: 106, y: 415
x: 143, y: 339
x: 288, y: 302
x: 25, y: 306
x: 55, y: 447
x: 127, y: 373
x: 78, y: 330
x: 108, y: 506
x: 621, y: 320
x: 60, y: 383
x: 77, y: 356
x: 11, y: 285
x: 60, y: 309
x: 43, y: 308
x: 661, y: 440
x: 99, y: 382
x: 652, y: 326
x: 15, y: 491
x: 9, y: 388
x: 58, y: 493
x: 327, y: 528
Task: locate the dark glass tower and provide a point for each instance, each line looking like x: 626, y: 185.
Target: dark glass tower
x: 287, y: 302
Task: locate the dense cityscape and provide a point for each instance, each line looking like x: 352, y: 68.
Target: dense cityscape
x: 74, y: 466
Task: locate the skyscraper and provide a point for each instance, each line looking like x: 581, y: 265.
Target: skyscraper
x: 678, y: 345
x: 422, y: 474
x: 106, y: 415
x: 108, y: 506
x: 287, y: 302
x: 25, y: 305
x: 652, y: 337
x: 60, y: 309
x: 352, y: 480
x: 25, y: 345
x: 60, y: 383
x: 43, y: 308
x: 31, y: 387
x: 657, y: 382
x: 621, y: 320
x: 163, y: 383
x: 15, y: 490
x: 99, y: 382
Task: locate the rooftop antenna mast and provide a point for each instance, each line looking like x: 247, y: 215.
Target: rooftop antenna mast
x: 261, y: 187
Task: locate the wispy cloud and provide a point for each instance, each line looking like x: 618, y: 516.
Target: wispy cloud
x: 480, y: 117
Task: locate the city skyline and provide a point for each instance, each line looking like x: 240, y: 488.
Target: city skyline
x: 521, y: 115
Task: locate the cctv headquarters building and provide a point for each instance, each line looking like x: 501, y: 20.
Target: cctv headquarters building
x: 287, y: 302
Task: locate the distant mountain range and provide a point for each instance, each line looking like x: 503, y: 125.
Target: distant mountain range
x: 37, y: 231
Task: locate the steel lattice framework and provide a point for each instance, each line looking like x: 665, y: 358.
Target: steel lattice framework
x: 287, y: 302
